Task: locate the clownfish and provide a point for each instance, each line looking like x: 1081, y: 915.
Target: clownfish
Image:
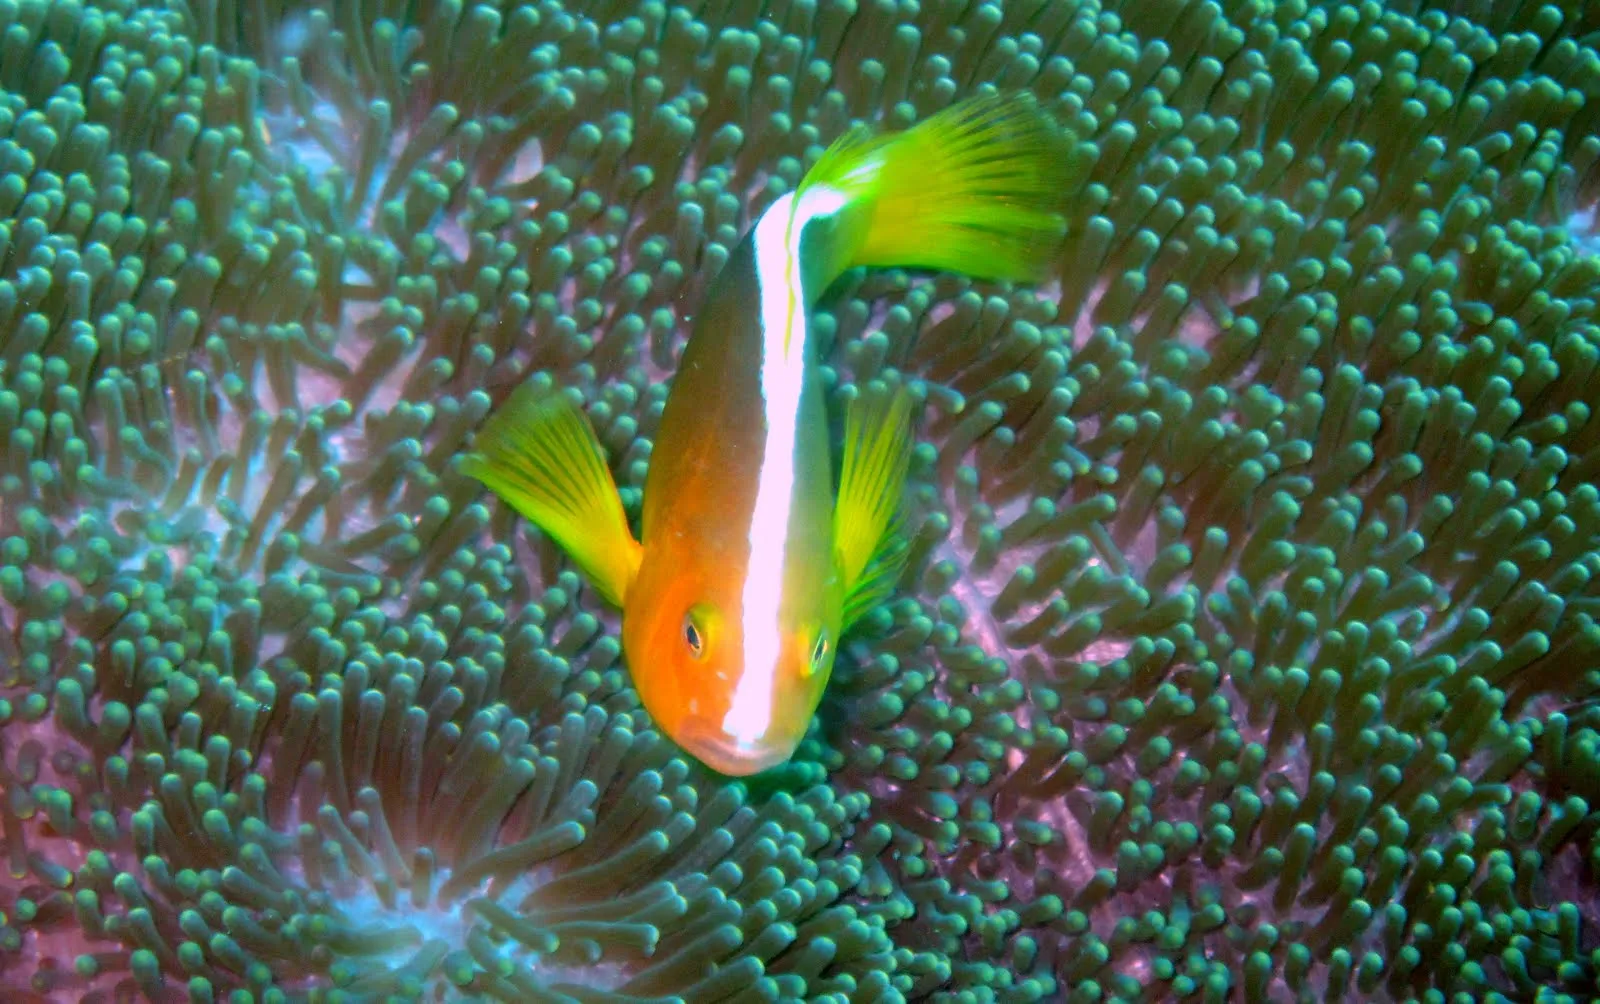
x: 750, y: 564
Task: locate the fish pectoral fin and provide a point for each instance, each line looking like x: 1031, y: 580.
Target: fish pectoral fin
x: 978, y: 188
x: 877, y: 454
x: 877, y: 581
x: 540, y: 454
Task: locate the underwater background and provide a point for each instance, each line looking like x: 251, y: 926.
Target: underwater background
x: 1247, y: 652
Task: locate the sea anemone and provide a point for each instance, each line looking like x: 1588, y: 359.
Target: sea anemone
x: 1247, y: 649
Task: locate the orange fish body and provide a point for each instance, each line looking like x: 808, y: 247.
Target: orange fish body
x: 750, y: 565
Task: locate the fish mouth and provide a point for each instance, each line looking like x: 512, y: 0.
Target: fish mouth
x: 727, y: 755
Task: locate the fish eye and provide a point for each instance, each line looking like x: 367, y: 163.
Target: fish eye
x: 692, y: 636
x: 819, y: 652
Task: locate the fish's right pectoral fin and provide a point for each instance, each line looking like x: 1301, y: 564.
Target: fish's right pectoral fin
x: 539, y: 453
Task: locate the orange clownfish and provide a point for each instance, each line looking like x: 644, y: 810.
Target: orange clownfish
x: 750, y: 564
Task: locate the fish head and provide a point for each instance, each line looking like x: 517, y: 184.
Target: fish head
x: 734, y: 689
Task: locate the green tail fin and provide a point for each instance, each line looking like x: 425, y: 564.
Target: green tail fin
x: 540, y: 454
x: 877, y: 453
x: 976, y: 188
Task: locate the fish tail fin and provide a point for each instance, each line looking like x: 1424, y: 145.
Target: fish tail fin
x: 976, y: 188
x: 866, y: 521
x: 540, y: 454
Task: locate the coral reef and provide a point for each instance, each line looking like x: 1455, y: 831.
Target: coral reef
x: 1247, y: 651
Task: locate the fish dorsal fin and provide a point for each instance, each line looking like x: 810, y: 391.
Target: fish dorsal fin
x: 540, y: 454
x: 877, y: 454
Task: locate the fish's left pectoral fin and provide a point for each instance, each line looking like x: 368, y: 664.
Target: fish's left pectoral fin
x: 877, y: 455
x: 539, y: 453
x: 877, y: 581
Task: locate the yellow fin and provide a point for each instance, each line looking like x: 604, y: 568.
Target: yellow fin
x: 976, y: 188
x: 877, y: 453
x: 878, y: 579
x: 540, y: 454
